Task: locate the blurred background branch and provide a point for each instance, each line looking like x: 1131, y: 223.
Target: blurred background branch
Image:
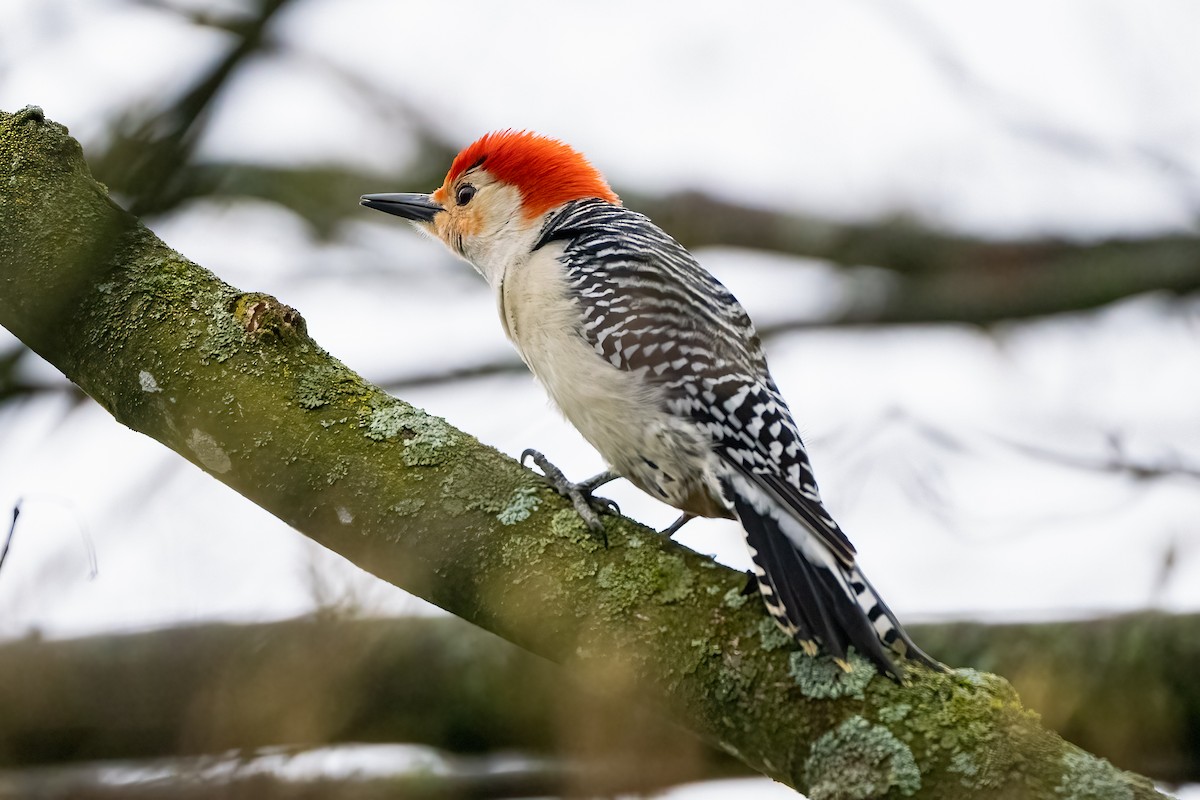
x: 255, y: 775
x: 436, y: 682
x: 1122, y: 687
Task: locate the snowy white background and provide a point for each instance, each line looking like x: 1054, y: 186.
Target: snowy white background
x: 1021, y: 118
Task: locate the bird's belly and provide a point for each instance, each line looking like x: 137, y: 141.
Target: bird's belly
x: 619, y: 412
x: 625, y: 419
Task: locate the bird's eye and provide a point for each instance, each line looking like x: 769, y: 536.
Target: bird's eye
x: 464, y: 194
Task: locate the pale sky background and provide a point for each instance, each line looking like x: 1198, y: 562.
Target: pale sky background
x: 1079, y: 119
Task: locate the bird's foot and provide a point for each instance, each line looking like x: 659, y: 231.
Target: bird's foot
x: 587, y: 505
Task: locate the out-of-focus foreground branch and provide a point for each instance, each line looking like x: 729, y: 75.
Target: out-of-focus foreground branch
x: 232, y: 382
x: 436, y: 682
x: 270, y: 775
x: 1123, y: 687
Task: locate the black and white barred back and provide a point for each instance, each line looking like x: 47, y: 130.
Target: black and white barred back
x: 648, y: 306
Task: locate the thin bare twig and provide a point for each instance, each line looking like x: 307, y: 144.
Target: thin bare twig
x: 12, y: 529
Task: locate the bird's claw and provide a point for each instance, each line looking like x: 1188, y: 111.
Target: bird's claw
x: 586, y: 505
x: 674, y: 527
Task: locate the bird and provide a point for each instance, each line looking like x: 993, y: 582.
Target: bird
x: 660, y: 368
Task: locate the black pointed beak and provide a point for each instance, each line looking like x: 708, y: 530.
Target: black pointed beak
x: 417, y: 207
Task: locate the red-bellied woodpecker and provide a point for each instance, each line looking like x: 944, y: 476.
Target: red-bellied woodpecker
x: 659, y: 367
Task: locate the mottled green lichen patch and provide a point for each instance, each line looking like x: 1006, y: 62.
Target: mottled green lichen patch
x: 1086, y: 777
x: 976, y: 678
x: 430, y: 435
x: 524, y: 551
x: 735, y: 598
x: 543, y: 557
x: 860, y: 761
x: 821, y: 678
x: 156, y: 283
x: 409, y: 506
x: 223, y: 335
x: 622, y: 592
x: 770, y: 637
x: 570, y: 526
x: 892, y: 714
x: 325, y: 383
x: 669, y: 573
x: 964, y: 764
x: 523, y: 502
x: 647, y: 574
x: 387, y: 420
x: 339, y: 470
x: 962, y: 713
x: 733, y: 682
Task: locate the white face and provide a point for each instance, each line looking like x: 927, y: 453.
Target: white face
x: 481, y: 221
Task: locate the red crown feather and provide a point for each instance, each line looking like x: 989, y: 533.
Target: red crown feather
x: 546, y: 171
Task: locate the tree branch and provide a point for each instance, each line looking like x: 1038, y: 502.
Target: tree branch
x: 232, y: 382
x: 1121, y: 686
x: 147, y: 155
x: 258, y: 775
x: 437, y: 682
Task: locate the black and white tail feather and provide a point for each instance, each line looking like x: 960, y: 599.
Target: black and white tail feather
x: 649, y: 307
x: 814, y: 596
